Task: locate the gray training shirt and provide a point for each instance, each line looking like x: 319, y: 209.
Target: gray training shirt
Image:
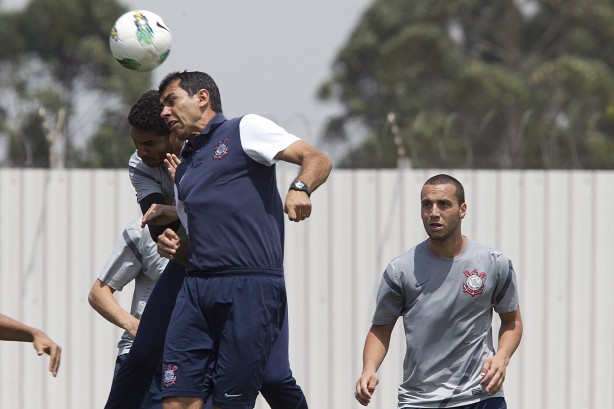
x: 135, y: 257
x: 447, y: 309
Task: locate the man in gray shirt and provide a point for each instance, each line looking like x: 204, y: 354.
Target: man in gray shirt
x: 446, y: 289
x: 134, y: 258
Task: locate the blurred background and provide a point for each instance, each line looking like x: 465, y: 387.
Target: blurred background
x: 514, y: 84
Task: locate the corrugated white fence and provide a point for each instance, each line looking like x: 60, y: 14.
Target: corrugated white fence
x: 58, y: 228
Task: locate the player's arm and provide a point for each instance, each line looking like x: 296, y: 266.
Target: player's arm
x: 494, y: 367
x: 315, y: 168
x: 156, y: 230
x: 159, y: 215
x: 12, y: 330
x: 102, y: 300
x: 375, y: 349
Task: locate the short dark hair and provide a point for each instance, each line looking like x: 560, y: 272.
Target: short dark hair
x: 443, y: 179
x: 191, y: 82
x: 145, y: 113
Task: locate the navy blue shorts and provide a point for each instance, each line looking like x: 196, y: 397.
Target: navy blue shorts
x: 490, y: 403
x: 220, y: 337
x: 153, y: 400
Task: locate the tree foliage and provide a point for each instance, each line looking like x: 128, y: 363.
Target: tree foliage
x: 477, y: 84
x: 60, y: 83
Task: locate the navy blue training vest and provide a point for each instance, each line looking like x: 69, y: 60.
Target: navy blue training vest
x: 235, y: 212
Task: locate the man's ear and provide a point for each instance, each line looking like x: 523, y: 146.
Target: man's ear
x: 203, y: 96
x: 463, y: 210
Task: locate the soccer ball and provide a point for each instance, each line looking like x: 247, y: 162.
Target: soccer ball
x: 140, y: 40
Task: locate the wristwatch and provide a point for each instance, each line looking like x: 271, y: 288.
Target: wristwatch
x: 300, y: 186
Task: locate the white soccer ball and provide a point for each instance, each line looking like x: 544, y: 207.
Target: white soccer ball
x: 140, y: 40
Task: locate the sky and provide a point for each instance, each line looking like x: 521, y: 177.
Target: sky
x: 268, y: 57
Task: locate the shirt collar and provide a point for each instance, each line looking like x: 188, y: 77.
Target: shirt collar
x: 211, y: 126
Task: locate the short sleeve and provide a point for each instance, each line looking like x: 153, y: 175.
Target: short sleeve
x: 505, y: 297
x: 123, y: 265
x: 390, y: 300
x: 143, y: 182
x: 262, y: 139
x: 148, y: 180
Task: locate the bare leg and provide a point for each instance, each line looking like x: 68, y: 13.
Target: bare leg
x: 183, y: 402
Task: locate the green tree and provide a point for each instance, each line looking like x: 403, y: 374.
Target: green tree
x: 477, y: 84
x: 29, y: 147
x: 57, y: 64
x: 111, y: 146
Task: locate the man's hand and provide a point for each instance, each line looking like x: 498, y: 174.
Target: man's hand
x: 132, y: 327
x: 315, y: 168
x: 494, y: 368
x: 493, y: 373
x: 172, y: 247
x: 365, y: 386
x: 168, y: 244
x: 297, y: 206
x: 13, y: 330
x: 171, y: 162
x: 44, y: 345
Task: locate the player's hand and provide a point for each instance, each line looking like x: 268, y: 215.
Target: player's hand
x: 133, y: 326
x: 297, y: 206
x: 168, y: 244
x: 171, y: 162
x: 493, y: 374
x: 365, y: 387
x: 45, y: 345
x: 172, y: 247
x: 159, y: 215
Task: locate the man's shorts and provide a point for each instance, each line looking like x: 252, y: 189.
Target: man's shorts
x: 153, y: 400
x: 490, y: 403
x: 220, y: 337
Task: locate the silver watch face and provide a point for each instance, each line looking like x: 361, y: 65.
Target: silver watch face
x: 299, y: 185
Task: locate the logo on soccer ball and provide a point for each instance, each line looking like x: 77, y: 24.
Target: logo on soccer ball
x: 140, y: 40
x: 474, y: 284
x: 221, y: 149
x: 144, y: 32
x: 168, y: 375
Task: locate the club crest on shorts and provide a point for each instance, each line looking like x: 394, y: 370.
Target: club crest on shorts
x: 169, y: 376
x: 221, y: 149
x: 474, y: 284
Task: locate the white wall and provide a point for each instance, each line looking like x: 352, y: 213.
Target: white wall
x: 58, y: 227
